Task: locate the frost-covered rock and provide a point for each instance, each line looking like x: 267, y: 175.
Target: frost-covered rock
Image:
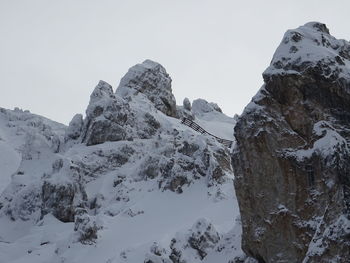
x: 38, y: 131
x: 201, y: 106
x: 310, y: 49
x: 85, y: 227
x: 151, y: 79
x: 190, y: 246
x: 185, y: 111
x: 157, y: 254
x: 75, y: 127
x: 61, y: 199
x: 174, y: 161
x: 21, y: 201
x: 203, y: 237
x: 106, y: 116
x: 291, y: 159
x: 187, y: 104
x: 112, y: 118
x: 36, y: 140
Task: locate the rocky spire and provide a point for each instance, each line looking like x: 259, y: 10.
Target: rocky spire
x: 151, y: 79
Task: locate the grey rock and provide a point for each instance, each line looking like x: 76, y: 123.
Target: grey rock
x: 200, y: 106
x: 109, y: 117
x: 106, y: 116
x: 75, y: 127
x: 204, y: 237
x: 187, y: 104
x: 198, y: 241
x: 157, y: 254
x: 60, y: 200
x: 151, y: 79
x: 85, y: 227
x: 104, y: 130
x: 291, y: 160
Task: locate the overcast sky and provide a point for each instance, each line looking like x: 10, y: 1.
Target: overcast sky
x: 53, y: 53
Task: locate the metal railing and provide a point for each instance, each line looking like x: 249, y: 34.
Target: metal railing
x: 199, y: 129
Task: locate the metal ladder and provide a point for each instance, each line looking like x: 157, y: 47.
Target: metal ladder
x: 199, y: 129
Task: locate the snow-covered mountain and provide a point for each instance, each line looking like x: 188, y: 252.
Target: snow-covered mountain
x: 141, y: 179
x: 126, y: 183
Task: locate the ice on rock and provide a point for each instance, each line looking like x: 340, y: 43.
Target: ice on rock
x: 151, y: 79
x: 75, y: 127
x: 185, y: 111
x: 311, y: 47
x: 201, y: 106
x: 187, y: 104
x: 106, y: 116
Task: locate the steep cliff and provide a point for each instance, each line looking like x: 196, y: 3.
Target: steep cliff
x: 292, y: 159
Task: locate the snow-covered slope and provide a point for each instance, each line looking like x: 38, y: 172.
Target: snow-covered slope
x: 128, y: 183
x: 15, y: 129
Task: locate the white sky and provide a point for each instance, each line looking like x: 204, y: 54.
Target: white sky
x: 53, y: 53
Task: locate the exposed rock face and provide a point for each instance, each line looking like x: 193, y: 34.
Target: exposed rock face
x: 292, y: 158
x: 75, y: 127
x: 105, y: 116
x: 151, y: 79
x: 58, y: 200
x: 109, y: 117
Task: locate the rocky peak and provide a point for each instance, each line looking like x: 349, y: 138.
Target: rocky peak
x: 310, y: 48
x: 201, y: 106
x: 103, y: 89
x: 291, y: 159
x: 106, y: 116
x: 151, y: 79
x: 102, y: 95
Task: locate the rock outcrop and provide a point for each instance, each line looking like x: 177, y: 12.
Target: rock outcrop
x: 190, y: 246
x: 109, y: 117
x: 185, y: 111
x: 201, y: 106
x: 292, y: 160
x: 151, y: 79
x: 74, y: 128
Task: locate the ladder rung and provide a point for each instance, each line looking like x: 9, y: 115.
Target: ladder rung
x: 198, y: 128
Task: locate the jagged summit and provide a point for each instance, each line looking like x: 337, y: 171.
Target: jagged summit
x: 311, y: 48
x: 151, y: 79
x: 132, y: 111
